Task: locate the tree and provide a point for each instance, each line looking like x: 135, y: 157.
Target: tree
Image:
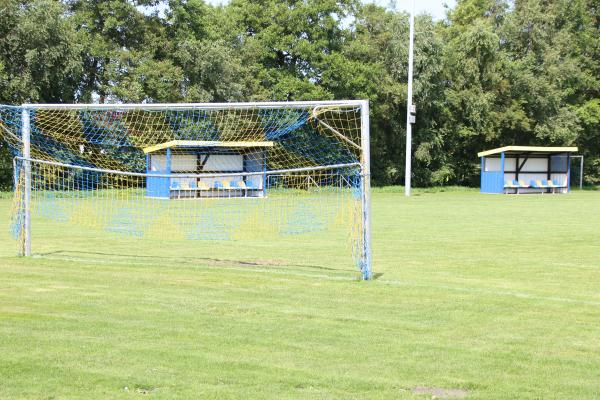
x: 39, y: 53
x: 121, y: 44
x: 289, y: 44
x: 493, y: 73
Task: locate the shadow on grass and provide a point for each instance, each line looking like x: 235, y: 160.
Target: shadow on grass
x: 377, y: 275
x: 274, y: 266
x: 591, y: 188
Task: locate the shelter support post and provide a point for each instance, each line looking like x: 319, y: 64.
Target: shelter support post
x: 569, y: 172
x: 482, y: 173
x: 502, y: 163
x: 581, y: 172
x: 581, y: 162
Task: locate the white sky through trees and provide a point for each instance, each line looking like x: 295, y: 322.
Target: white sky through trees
x: 433, y: 7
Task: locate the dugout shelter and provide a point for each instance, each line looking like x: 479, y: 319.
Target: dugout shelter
x: 526, y: 169
x: 184, y: 169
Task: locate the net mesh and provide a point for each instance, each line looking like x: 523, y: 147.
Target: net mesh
x: 195, y: 172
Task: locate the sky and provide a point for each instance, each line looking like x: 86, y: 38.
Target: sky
x: 433, y: 7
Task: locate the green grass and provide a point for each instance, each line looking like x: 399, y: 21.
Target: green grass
x: 496, y: 295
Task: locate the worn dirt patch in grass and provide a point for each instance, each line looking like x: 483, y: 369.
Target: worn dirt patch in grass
x: 441, y: 393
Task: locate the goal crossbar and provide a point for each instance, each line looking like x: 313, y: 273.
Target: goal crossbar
x: 190, y: 106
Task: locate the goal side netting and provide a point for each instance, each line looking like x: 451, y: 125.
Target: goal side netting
x: 245, y: 173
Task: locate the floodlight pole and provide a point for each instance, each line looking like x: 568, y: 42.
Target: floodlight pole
x: 409, y: 108
x: 366, y: 189
x: 26, y: 136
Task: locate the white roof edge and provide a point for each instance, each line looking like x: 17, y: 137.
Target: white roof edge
x: 204, y: 143
x: 541, y: 149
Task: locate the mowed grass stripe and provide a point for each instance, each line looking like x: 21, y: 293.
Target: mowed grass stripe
x: 451, y: 308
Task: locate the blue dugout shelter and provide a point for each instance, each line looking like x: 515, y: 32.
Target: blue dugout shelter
x: 526, y: 169
x: 195, y: 169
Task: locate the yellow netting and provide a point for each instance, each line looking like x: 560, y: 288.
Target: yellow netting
x: 197, y: 173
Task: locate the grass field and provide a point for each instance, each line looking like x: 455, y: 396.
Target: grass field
x: 498, y: 296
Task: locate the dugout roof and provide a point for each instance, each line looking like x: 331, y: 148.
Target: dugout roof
x: 528, y: 150
x: 180, y: 144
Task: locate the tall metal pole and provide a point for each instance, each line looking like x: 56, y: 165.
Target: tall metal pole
x: 581, y: 172
x: 408, y: 167
x: 366, y: 189
x: 25, y: 135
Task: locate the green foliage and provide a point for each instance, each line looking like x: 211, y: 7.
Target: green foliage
x: 6, y: 171
x: 40, y: 50
x: 494, y: 72
x: 517, y: 76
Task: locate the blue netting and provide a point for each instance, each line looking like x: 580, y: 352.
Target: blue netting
x: 124, y: 220
x: 104, y: 128
x: 55, y: 207
x: 121, y: 142
x: 278, y: 123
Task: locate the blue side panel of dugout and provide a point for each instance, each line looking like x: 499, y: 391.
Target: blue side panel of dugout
x: 491, y: 181
x: 157, y: 187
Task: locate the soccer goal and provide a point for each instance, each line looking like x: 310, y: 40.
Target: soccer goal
x: 264, y: 171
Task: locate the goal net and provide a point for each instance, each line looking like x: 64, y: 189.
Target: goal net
x: 295, y: 173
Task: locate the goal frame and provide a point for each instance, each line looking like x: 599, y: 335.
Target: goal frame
x: 365, y: 170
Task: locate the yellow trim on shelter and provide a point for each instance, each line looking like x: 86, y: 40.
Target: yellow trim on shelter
x: 204, y: 143
x: 533, y: 149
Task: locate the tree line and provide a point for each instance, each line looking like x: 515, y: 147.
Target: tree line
x: 492, y: 73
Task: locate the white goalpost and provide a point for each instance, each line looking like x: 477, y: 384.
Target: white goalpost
x: 215, y: 171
